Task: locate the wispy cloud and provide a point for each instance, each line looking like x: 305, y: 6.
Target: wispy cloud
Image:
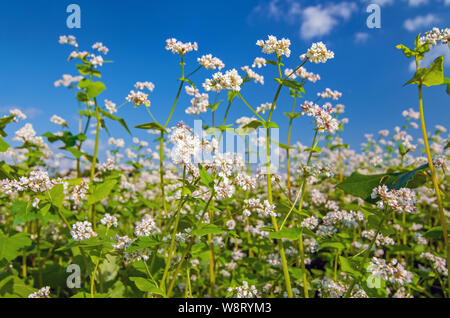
x: 379, y: 2
x: 420, y: 22
x: 313, y: 21
x: 361, y: 37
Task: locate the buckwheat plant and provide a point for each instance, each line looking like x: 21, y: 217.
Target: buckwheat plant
x: 185, y: 216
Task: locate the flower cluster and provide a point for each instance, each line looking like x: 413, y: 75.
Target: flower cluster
x: 328, y: 93
x: 178, y: 47
x: 44, y: 292
x: 200, y: 102
x: 210, y: 63
x: 244, y: 291
x: 402, y: 200
x: 82, y: 231
x: 318, y: 53
x: 436, y: 35
x: 393, y: 272
x: 231, y: 80
x: 439, y: 263
x: 37, y: 181
x: 273, y: 45
x: 322, y: 116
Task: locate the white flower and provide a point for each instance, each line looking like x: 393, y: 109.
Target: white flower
x: 328, y: 93
x: 44, y: 292
x: 109, y: 220
x: 264, y: 107
x: 110, y: 106
x: 318, y: 53
x: 273, y: 45
x: 145, y: 85
x: 210, y: 63
x: 259, y: 62
x: 435, y: 35
x: 17, y: 113
x: 70, y: 39
x: 146, y: 226
x: 244, y: 291
x: 402, y: 200
x: 181, y: 48
x: 253, y: 75
x: 138, y: 98
x: 231, y: 80
x: 82, y: 231
x: 100, y: 47
x: 58, y: 120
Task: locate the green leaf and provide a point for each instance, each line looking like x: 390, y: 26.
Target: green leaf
x: 11, y: 246
x: 436, y: 232
x: 253, y: 124
x: 291, y: 234
x: 57, y: 195
x: 207, y: 228
x: 147, y: 286
x: 406, y: 50
x: 292, y: 115
x: 153, y: 125
x: 22, y: 212
x: 111, y: 116
x: 269, y: 124
x: 349, y: 267
x: 87, y: 70
x: 205, y: 177
x: 94, y: 89
x: 101, y: 191
x: 431, y: 76
x: 3, y: 145
x: 362, y: 185
x: 143, y: 242
x: 292, y: 84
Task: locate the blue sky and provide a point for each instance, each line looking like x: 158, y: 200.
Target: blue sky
x: 367, y: 68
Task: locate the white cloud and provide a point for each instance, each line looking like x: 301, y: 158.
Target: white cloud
x: 416, y: 3
x: 447, y: 2
x: 320, y: 20
x: 379, y: 2
x: 420, y: 22
x: 435, y: 52
x: 361, y: 37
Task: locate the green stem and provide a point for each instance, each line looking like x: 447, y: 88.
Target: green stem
x: 175, y: 229
x: 433, y: 174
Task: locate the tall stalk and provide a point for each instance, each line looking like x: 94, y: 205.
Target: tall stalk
x: 433, y: 174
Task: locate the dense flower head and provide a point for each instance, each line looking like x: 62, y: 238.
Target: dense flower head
x: 146, y: 226
x: 322, y: 116
x: 318, y: 53
x: 17, y: 113
x: 199, y: 103
x: 439, y: 263
x: 436, y: 35
x: 394, y: 272
x: 58, y: 120
x: 402, y: 200
x: 144, y: 85
x: 178, y: 47
x: 231, y: 80
x: 244, y: 291
x: 259, y: 62
x: 303, y: 73
x: 273, y: 45
x: 109, y: 220
x: 138, y: 98
x: 328, y: 93
x: 253, y: 75
x: 100, y: 47
x: 82, y: 231
x: 210, y: 63
x: 110, y: 106
x: 68, y: 39
x: 44, y: 292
